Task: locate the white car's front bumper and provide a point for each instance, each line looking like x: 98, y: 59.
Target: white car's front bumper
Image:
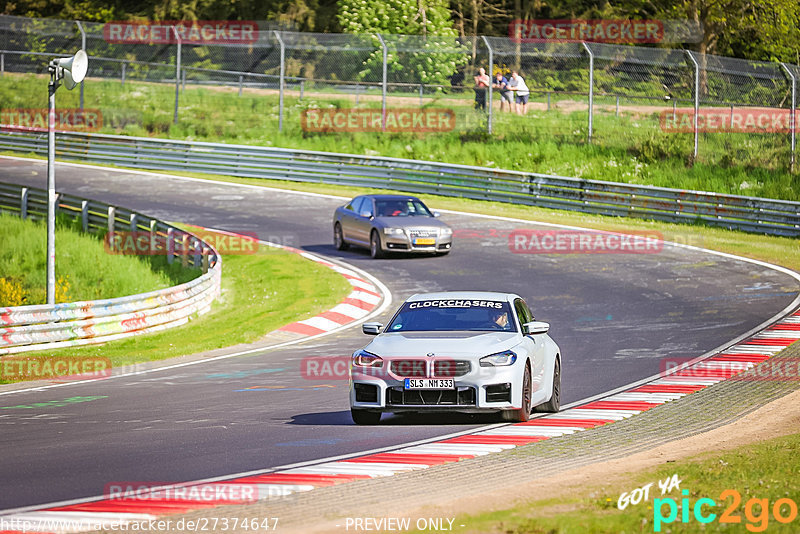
x: 482, y: 389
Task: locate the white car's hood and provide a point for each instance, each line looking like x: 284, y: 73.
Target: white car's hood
x: 442, y: 343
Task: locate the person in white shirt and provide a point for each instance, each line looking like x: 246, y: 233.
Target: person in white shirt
x: 517, y: 84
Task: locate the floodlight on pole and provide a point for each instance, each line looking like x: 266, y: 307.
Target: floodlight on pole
x: 72, y: 70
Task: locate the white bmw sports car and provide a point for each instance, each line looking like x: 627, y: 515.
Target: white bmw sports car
x: 464, y: 351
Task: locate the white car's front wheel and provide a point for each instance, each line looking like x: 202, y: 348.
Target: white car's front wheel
x: 524, y: 412
x: 554, y: 404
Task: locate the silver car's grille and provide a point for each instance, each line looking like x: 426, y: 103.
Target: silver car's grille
x: 422, y: 232
x: 409, y: 368
x: 450, y: 368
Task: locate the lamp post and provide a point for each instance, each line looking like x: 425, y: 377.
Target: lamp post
x: 71, y: 71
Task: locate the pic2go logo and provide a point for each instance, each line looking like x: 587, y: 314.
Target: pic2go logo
x: 756, y: 511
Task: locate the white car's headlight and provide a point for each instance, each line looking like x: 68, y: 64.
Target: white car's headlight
x: 445, y: 231
x: 507, y: 357
x: 393, y: 231
x: 363, y: 358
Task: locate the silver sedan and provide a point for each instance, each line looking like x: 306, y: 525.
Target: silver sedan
x: 390, y: 223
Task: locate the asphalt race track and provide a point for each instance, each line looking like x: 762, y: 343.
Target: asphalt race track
x: 615, y: 316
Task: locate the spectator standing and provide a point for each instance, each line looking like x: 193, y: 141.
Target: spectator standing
x: 517, y: 84
x: 506, y: 95
x: 482, y: 82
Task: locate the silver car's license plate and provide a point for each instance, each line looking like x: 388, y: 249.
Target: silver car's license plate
x: 429, y: 383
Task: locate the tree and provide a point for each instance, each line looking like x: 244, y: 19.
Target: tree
x: 431, y: 59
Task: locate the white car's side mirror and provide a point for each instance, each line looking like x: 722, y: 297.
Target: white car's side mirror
x: 372, y: 329
x: 535, y: 327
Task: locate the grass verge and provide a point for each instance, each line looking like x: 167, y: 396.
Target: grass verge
x: 84, y: 270
x: 765, y: 472
x: 260, y: 292
x: 631, y: 147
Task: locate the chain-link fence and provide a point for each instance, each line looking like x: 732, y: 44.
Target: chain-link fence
x: 661, y: 102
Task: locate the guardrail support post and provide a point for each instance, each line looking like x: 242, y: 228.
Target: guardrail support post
x: 302, y: 87
x: 177, y: 74
x: 153, y: 237
x: 421, y: 88
x: 124, y: 67
x: 196, y: 257
x: 206, y: 252
x: 170, y: 245
x: 384, y: 81
x: 241, y: 82
x: 591, y: 87
x: 792, y: 116
x: 183, y: 80
x: 112, y: 216
x: 23, y: 204
x: 696, y: 102
x: 2, y: 64
x: 283, y: 74
x: 548, y: 100
x: 134, y: 222
x: 491, y: 77
x: 85, y: 215
x: 184, y: 250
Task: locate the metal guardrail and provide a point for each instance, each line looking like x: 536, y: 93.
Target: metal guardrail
x: 26, y: 328
x: 751, y: 214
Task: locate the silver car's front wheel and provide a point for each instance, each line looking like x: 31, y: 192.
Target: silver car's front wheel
x: 338, y: 238
x: 375, y: 249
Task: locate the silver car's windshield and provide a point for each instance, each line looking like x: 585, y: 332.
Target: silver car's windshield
x: 453, y: 314
x: 406, y: 207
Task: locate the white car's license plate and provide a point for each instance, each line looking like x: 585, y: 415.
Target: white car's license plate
x: 430, y: 383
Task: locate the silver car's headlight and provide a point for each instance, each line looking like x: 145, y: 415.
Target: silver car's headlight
x: 393, y: 231
x: 507, y: 357
x: 363, y: 358
x: 445, y: 232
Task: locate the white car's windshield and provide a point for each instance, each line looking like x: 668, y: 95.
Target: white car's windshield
x: 407, y: 207
x: 453, y: 314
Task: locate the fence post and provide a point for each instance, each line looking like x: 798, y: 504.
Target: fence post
x: 241, y: 81
x: 302, y: 87
x: 792, y: 116
x: 177, y: 74
x: 420, y: 94
x: 591, y: 87
x: 696, y: 101
x: 124, y: 67
x: 491, y: 77
x: 83, y: 47
x: 183, y: 80
x: 283, y: 73
x: 383, y: 84
x: 2, y: 63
